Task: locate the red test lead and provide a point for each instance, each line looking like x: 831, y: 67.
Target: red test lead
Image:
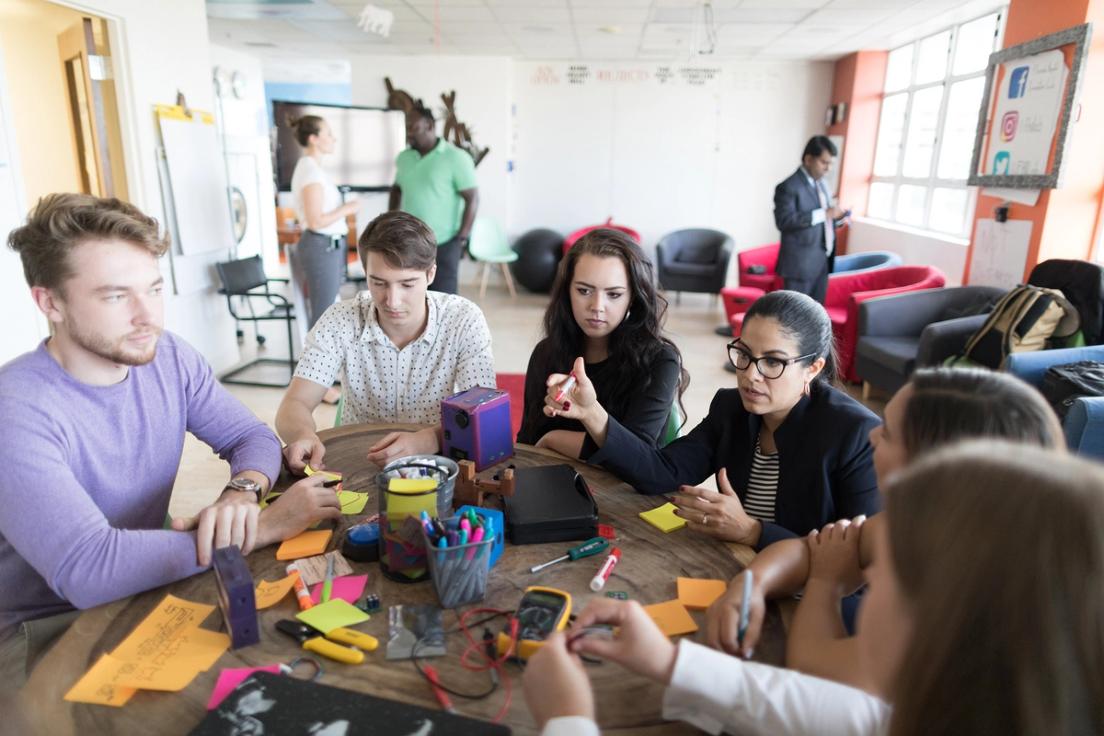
x: 599, y: 580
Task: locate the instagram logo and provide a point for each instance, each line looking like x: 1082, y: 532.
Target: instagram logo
x: 1008, y: 125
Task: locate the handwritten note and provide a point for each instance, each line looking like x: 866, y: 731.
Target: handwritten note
x: 164, y: 652
x: 270, y: 593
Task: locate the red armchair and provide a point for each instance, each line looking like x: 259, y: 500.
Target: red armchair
x: 571, y: 239
x: 847, y: 290
x: 766, y: 256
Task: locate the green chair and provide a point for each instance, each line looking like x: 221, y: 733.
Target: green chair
x: 488, y: 245
x: 674, y: 426
x: 340, y: 410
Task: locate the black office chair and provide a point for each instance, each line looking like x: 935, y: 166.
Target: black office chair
x: 245, y: 280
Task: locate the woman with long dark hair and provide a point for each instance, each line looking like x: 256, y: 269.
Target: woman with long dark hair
x: 795, y: 448
x: 605, y: 318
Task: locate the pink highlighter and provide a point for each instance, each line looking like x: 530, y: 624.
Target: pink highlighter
x: 566, y: 386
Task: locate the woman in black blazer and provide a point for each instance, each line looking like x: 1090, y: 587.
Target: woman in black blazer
x: 785, y: 420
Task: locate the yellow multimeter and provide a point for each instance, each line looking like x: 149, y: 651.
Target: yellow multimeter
x: 541, y: 612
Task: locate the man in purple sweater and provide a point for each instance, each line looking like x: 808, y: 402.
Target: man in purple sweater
x: 93, y: 423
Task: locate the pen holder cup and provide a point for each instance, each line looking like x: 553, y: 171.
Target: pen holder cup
x: 460, y: 573
x: 401, y: 543
x: 424, y: 466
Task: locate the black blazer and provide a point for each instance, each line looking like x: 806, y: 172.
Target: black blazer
x: 825, y: 473
x: 802, y: 253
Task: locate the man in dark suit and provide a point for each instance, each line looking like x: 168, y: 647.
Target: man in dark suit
x: 804, y: 212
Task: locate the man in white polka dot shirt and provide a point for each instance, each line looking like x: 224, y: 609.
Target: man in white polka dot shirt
x: 399, y: 348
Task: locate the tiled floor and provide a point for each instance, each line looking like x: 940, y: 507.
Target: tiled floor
x: 515, y: 327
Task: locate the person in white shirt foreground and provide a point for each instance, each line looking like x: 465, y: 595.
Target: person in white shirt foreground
x: 975, y: 638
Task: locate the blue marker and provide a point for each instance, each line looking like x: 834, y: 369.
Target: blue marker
x: 442, y: 543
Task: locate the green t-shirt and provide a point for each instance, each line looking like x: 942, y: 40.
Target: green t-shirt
x: 430, y: 186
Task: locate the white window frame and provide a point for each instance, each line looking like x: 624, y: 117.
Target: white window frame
x: 932, y: 182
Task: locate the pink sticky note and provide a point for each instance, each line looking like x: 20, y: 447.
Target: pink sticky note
x: 347, y: 587
x: 230, y: 678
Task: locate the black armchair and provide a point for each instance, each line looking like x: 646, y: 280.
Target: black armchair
x: 900, y: 333
x: 245, y: 280
x: 694, y: 260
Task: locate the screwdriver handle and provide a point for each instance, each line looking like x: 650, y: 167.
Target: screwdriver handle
x: 592, y: 547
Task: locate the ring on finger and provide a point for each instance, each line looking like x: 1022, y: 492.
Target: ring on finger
x: 705, y: 519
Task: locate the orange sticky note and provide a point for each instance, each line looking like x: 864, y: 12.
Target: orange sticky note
x: 177, y: 665
x: 99, y: 685
x: 306, y: 544
x: 270, y: 593
x: 672, y: 618
x: 699, y: 594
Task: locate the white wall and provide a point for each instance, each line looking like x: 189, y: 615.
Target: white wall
x: 659, y: 151
x: 159, y: 48
x: 245, y: 129
x: 916, y: 247
x: 484, y: 92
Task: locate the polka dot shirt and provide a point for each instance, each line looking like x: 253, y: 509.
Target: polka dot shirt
x: 385, y: 384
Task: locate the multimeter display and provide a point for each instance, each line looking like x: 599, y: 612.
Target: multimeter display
x: 538, y: 615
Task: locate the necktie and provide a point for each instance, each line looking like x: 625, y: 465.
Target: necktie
x: 829, y: 227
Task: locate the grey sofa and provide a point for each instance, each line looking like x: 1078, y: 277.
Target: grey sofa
x: 900, y: 333
x: 694, y: 260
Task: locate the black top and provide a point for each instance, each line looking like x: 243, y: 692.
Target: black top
x: 644, y: 414
x: 826, y: 469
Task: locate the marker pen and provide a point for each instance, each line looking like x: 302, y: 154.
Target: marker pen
x: 745, y: 607
x: 566, y: 386
x: 599, y: 580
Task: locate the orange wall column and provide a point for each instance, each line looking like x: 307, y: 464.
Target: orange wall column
x: 858, y: 82
x: 1063, y: 220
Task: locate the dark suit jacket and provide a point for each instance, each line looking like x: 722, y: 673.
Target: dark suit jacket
x: 802, y: 253
x: 826, y: 463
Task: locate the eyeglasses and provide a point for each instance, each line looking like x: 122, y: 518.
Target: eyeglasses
x: 767, y: 365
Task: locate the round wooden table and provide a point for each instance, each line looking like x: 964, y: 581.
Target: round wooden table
x: 651, y: 560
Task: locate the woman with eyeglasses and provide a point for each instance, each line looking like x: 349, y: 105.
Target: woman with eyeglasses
x: 791, y: 452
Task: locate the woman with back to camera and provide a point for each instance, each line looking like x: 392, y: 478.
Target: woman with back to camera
x: 790, y: 450
x: 606, y: 316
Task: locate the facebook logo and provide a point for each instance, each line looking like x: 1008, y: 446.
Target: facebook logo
x: 1017, y: 83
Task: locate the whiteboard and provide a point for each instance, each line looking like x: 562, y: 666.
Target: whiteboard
x: 197, y: 186
x: 1000, y: 253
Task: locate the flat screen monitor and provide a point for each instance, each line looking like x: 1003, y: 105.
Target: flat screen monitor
x: 368, y: 140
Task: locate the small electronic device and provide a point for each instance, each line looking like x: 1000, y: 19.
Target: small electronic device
x: 475, y: 425
x: 541, y: 612
x: 236, y: 596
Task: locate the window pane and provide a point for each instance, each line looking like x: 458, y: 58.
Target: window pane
x: 931, y: 64
x: 910, y: 204
x: 923, y: 120
x: 948, y: 210
x: 959, y: 128
x: 976, y: 40
x: 880, y: 203
x: 891, y: 129
x: 899, y: 68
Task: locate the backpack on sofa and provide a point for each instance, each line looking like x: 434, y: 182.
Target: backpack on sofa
x: 1064, y: 384
x: 1024, y: 320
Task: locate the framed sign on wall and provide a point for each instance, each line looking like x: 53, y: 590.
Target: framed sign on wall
x: 1024, y: 119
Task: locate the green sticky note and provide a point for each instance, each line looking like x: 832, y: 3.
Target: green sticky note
x: 333, y: 614
x: 352, y: 502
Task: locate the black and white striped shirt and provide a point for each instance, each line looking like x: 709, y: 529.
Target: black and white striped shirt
x: 762, y: 486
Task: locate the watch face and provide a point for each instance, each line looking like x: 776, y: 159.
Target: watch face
x: 244, y: 484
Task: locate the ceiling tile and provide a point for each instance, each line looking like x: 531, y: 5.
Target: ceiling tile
x: 533, y: 16
x: 732, y: 33
x: 610, y: 16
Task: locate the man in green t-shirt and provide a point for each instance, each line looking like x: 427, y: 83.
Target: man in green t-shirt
x: 435, y: 181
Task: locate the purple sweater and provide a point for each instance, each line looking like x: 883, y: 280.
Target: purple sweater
x: 89, y: 471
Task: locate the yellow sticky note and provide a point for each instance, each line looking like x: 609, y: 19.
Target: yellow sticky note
x: 327, y: 474
x: 672, y: 618
x: 270, y: 593
x: 699, y: 594
x: 409, y: 497
x: 99, y: 685
x: 306, y: 544
x: 411, y: 485
x: 333, y: 614
x: 663, y: 518
x: 352, y: 502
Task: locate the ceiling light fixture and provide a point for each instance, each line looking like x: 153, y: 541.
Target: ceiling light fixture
x: 709, y: 28
x: 376, y: 20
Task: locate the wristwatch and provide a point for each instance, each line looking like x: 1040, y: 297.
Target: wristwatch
x: 245, y: 485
